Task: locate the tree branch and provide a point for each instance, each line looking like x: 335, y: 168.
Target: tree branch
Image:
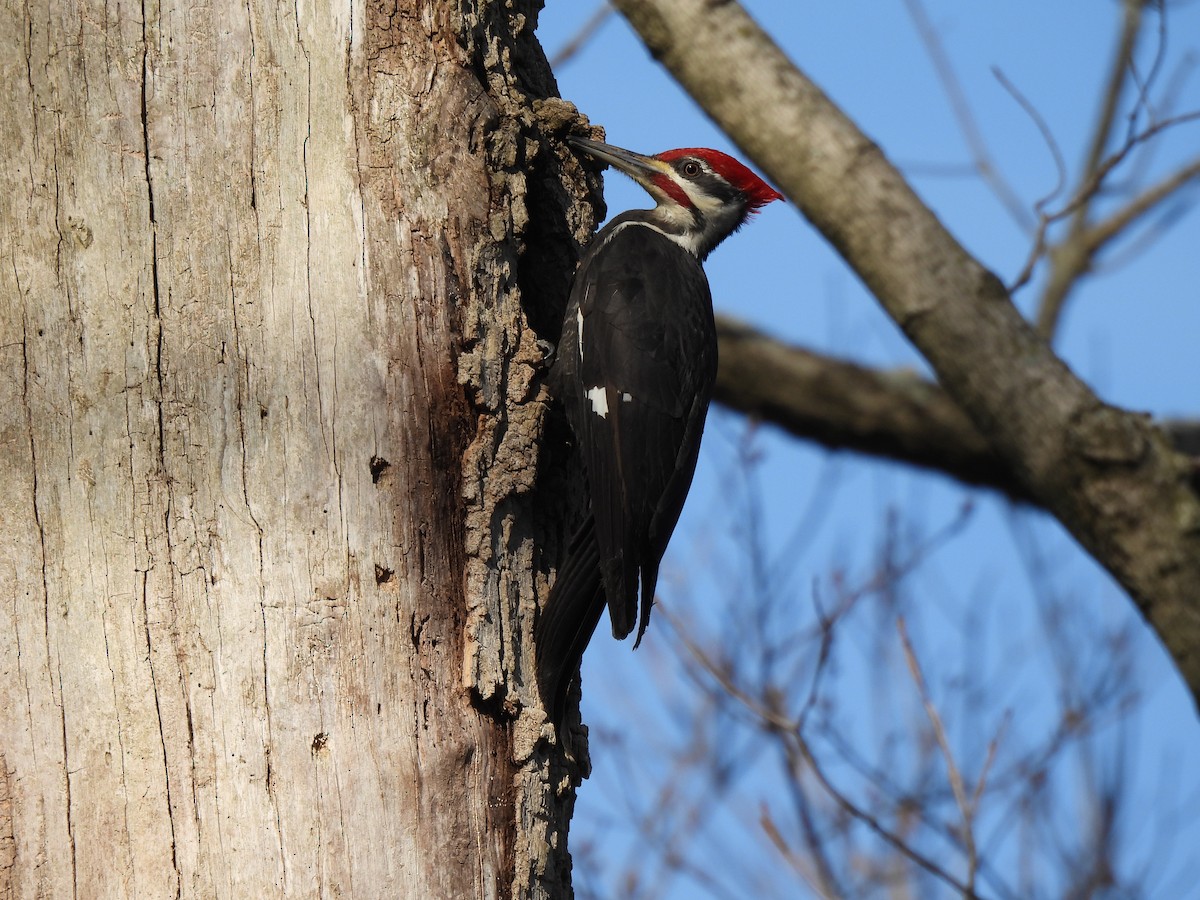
x: 568, y: 51
x: 1100, y: 234
x: 896, y: 415
x: 1118, y: 73
x: 1106, y: 474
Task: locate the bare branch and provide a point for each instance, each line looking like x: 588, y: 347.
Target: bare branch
x: 1039, y: 238
x: 1060, y: 164
x: 1073, y: 256
x: 1118, y: 72
x: 1090, y: 187
x: 966, y: 807
x: 579, y: 40
x: 896, y: 414
x: 823, y: 884
x: 800, y: 759
x: 1145, y: 84
x: 984, y: 164
x: 1100, y: 234
x: 1162, y: 110
x: 993, y: 747
x: 891, y: 414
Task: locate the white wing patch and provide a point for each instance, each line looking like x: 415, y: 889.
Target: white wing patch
x: 579, y: 331
x: 627, y: 397
x: 598, y: 397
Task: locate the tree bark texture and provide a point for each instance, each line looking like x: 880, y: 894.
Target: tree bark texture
x: 270, y: 422
x: 1108, y: 475
x: 893, y: 414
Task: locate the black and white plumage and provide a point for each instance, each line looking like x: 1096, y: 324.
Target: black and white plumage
x: 635, y: 368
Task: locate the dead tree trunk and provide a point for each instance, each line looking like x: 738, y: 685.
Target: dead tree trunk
x: 270, y: 430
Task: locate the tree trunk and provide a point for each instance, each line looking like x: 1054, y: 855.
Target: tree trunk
x: 270, y: 422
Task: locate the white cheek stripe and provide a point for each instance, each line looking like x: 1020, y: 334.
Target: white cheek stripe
x: 598, y: 397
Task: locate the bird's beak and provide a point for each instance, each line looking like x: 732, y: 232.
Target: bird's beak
x: 642, y: 169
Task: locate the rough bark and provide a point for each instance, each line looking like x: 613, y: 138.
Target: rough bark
x: 1107, y: 474
x: 269, y: 426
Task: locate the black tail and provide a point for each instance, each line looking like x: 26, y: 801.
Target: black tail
x: 566, y: 625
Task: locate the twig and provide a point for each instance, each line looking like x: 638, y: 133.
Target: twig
x: 1073, y: 255
x: 1103, y: 232
x: 1060, y: 164
x: 1131, y: 26
x: 1043, y: 221
x: 798, y: 751
x: 1069, y: 263
x: 965, y: 806
x: 1145, y: 239
x: 1170, y: 97
x: 1144, y: 85
x: 993, y: 747
x: 1091, y: 187
x: 823, y: 883
x: 572, y: 47
x: 961, y: 109
x: 824, y: 869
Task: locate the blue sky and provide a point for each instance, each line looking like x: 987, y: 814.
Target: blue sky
x: 1130, y: 331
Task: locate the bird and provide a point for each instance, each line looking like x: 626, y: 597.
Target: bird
x: 634, y: 369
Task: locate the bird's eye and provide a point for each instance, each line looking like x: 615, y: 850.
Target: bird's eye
x: 691, y: 168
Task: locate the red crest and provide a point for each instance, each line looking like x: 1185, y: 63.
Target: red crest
x: 756, y: 190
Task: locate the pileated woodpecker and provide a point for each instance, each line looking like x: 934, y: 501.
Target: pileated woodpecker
x: 635, y: 368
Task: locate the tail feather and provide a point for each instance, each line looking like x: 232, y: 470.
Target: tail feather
x: 649, y: 583
x: 569, y: 619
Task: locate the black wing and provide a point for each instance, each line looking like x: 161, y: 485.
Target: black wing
x: 639, y: 344
x: 636, y: 366
x: 642, y: 345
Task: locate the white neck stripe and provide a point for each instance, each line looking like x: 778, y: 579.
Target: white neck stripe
x: 689, y: 241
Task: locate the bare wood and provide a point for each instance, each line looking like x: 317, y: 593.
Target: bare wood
x: 1108, y: 475
x: 241, y: 597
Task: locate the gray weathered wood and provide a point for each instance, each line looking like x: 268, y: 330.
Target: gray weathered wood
x: 269, y: 417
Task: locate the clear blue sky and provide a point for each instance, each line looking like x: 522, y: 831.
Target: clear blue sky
x: 1131, y: 332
